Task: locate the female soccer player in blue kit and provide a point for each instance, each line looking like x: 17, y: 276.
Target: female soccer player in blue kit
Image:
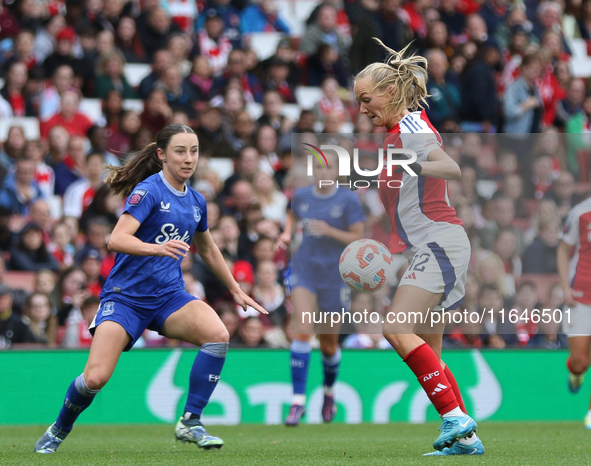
x: 332, y: 217
x: 145, y: 288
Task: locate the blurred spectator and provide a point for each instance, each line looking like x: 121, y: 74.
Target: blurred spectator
x: 110, y: 76
x: 506, y: 248
x: 13, y: 148
x: 24, y: 48
x: 491, y: 271
x: 230, y: 233
x: 330, y: 101
x: 77, y: 334
x: 12, y: 329
x: 277, y: 79
x: 96, y: 234
x: 526, y: 300
x: 13, y: 90
x: 272, y: 106
x: 212, y: 140
x: 229, y: 317
x: 499, y: 333
x: 584, y: 20
x: 272, y: 200
x: 248, y: 165
x: 179, y: 45
x: 80, y: 194
x: 9, y: 26
x: 200, y: 80
x: 72, y: 167
x: 71, y: 293
x: 213, y: 44
x: 7, y: 237
x: 90, y: 263
x: 452, y: 18
x: 64, y: 53
x: 18, y: 192
x: 494, y: 13
x: 178, y: 92
x: 261, y: 16
x: 104, y: 204
x: 548, y: 336
x: 250, y: 333
x: 542, y: 177
x: 325, y: 31
x: 563, y: 194
x: 30, y: 254
x: 236, y: 69
x: 157, y: 113
x: 76, y: 123
x: 285, y: 53
x: 119, y: 141
x: 37, y: 316
x: 444, y: 98
x: 577, y: 139
x: 572, y: 104
x: 540, y: 256
x: 268, y: 293
x: 58, y: 145
x: 61, y: 246
x: 324, y: 63
x: 229, y: 15
x: 513, y: 189
x: 266, y: 144
x: 98, y: 137
x: 40, y: 214
x: 551, y: 143
x: 44, y: 174
x: 158, y: 28
x: 479, y: 102
x: 162, y: 60
x: 503, y: 217
x: 128, y: 41
x: 45, y: 39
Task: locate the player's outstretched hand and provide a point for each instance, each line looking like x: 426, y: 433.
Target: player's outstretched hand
x: 568, y: 297
x: 243, y: 300
x: 283, y: 241
x: 174, y: 248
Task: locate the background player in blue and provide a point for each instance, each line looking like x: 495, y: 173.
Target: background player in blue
x: 332, y: 218
x: 145, y: 288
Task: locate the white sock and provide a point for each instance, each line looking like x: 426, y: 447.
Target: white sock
x: 456, y: 412
x: 328, y: 390
x: 469, y: 440
x: 299, y: 400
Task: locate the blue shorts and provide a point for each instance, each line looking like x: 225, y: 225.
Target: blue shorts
x: 329, y: 298
x: 135, y: 316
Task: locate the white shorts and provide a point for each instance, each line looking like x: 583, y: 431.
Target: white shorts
x: 578, y: 324
x: 440, y: 266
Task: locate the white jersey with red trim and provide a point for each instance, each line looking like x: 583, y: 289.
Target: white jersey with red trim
x: 420, y: 210
x: 577, y: 233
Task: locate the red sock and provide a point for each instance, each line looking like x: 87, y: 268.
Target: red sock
x: 427, y: 367
x: 454, y: 386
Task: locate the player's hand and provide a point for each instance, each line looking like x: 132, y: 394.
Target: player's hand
x: 319, y: 228
x: 568, y: 294
x: 243, y: 300
x: 283, y: 241
x: 174, y: 248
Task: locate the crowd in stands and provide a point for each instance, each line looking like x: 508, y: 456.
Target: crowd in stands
x: 495, y: 67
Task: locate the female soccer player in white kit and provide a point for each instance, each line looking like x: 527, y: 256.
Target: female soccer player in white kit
x: 426, y: 230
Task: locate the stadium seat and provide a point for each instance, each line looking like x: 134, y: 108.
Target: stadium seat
x: 20, y: 280
x: 307, y: 96
x: 265, y: 43
x: 92, y: 108
x: 255, y: 110
x: 580, y: 64
x: 134, y: 104
x: 291, y: 111
x: 543, y: 282
x: 224, y: 167
x: 135, y: 72
x: 295, y: 13
x: 30, y: 126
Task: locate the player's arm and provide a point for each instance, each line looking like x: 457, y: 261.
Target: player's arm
x: 440, y: 165
x: 562, y: 257
x: 123, y: 241
x: 285, y: 238
x: 355, y: 231
x: 213, y: 258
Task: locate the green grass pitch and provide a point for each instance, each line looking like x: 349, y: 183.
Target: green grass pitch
x: 397, y: 444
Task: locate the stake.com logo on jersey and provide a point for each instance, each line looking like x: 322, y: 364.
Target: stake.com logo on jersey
x: 395, y: 157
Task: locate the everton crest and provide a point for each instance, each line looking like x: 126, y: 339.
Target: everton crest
x: 196, y: 213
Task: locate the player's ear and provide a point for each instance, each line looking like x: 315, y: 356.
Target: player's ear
x: 161, y: 155
x: 391, y: 90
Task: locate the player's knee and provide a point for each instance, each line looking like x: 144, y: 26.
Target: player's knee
x: 392, y: 339
x: 95, y: 380
x: 579, y: 363
x: 220, y: 335
x: 328, y: 348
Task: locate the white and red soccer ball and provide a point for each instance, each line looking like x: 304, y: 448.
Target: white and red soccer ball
x: 366, y: 265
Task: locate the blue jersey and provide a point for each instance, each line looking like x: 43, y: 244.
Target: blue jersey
x: 319, y: 255
x: 164, y: 214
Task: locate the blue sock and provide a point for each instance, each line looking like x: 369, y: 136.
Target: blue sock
x: 78, y: 398
x: 331, y: 369
x: 300, y: 360
x: 205, y: 375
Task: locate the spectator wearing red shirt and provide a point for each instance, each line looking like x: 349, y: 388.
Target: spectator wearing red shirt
x: 9, y: 26
x: 80, y: 194
x: 76, y: 123
x: 16, y: 79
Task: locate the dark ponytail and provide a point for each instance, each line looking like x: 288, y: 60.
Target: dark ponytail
x: 146, y: 163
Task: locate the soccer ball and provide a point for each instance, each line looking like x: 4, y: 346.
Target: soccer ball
x: 366, y: 265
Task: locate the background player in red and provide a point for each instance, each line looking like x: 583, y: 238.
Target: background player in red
x: 574, y: 269
x: 426, y: 230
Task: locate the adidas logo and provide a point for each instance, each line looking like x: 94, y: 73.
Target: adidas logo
x: 411, y: 276
x: 440, y: 387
